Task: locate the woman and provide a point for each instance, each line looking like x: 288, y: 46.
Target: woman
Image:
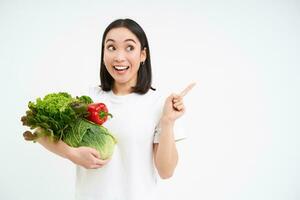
x: 143, y: 123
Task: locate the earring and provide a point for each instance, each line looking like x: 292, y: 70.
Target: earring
x: 142, y: 63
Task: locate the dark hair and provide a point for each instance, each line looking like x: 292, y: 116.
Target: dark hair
x: 144, y: 76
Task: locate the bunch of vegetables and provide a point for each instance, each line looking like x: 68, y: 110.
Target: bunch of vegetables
x: 77, y: 121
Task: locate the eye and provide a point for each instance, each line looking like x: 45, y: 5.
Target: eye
x: 130, y: 48
x: 110, y: 48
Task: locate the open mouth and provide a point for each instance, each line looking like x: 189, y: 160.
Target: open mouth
x: 121, y: 68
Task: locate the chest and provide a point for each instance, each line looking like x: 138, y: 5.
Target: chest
x: 133, y: 123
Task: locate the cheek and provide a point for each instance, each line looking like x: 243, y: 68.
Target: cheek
x: 107, y: 58
x: 135, y: 59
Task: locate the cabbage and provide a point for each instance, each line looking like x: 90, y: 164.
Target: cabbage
x: 85, y: 133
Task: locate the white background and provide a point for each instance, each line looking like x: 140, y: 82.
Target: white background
x: 243, y: 115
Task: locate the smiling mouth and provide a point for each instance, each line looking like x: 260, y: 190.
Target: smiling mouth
x: 121, y: 68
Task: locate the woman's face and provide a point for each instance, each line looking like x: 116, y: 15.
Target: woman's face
x: 123, y: 55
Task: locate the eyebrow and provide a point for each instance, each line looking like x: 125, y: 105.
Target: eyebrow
x: 127, y: 40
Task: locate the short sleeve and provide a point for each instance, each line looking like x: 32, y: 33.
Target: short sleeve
x: 179, y: 132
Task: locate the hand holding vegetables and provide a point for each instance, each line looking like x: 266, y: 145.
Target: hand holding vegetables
x: 62, y: 117
x: 87, y: 157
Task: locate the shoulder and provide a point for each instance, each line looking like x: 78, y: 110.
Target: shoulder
x: 96, y: 93
x: 95, y: 90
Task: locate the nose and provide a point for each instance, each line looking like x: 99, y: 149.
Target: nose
x: 119, y: 57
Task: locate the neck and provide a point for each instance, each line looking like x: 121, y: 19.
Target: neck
x: 122, y: 89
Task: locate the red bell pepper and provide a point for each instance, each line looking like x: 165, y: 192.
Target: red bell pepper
x: 98, y: 113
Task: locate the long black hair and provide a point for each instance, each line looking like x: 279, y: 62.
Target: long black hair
x: 144, y: 76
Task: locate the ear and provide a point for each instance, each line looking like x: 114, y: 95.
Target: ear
x: 143, y: 55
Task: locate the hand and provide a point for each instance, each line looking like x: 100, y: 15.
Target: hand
x: 87, y: 157
x: 174, y: 107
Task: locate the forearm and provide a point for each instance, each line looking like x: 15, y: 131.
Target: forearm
x: 60, y: 148
x: 84, y: 156
x: 166, y: 155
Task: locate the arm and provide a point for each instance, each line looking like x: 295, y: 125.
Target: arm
x: 165, y: 152
x: 84, y: 156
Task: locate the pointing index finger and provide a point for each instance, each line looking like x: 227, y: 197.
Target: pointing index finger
x: 187, y: 89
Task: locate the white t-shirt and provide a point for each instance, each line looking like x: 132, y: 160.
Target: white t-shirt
x: 131, y: 173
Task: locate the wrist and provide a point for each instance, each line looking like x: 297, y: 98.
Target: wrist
x: 69, y: 153
x: 166, y: 121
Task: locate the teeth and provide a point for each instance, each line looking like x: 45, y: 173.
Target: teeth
x: 121, y: 67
